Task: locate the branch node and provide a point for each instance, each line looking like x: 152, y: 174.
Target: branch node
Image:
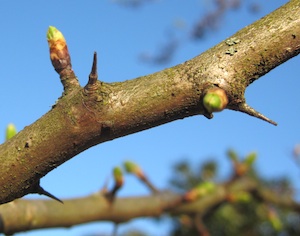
x: 245, y: 108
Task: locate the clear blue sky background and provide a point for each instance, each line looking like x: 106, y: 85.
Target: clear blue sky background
x: 30, y: 86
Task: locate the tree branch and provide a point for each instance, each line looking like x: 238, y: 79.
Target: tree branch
x: 81, y: 120
x: 23, y: 215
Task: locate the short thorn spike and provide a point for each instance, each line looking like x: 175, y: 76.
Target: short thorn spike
x: 93, y: 77
x: 42, y: 191
x: 94, y: 67
x: 245, y: 108
x: 39, y: 190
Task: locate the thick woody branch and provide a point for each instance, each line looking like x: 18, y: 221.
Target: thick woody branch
x: 19, y: 215
x: 81, y: 120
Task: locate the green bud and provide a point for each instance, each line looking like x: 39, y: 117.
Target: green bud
x: 215, y: 99
x: 212, y: 102
x: 243, y: 197
x: 131, y: 167
x: 232, y: 155
x: 11, y: 131
x: 275, y: 220
x: 199, y: 191
x: 54, y: 34
x: 205, y: 188
x: 118, y: 175
x: 59, y: 53
x: 249, y: 160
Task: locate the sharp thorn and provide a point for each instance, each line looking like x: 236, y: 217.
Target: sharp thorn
x: 245, y: 108
x: 94, y: 67
x: 94, y: 74
x: 92, y: 84
x: 42, y: 191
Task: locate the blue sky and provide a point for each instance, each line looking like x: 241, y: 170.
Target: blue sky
x: 29, y: 86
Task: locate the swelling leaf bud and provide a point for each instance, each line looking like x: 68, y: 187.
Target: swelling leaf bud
x: 215, y: 99
x: 54, y: 34
x: 118, y: 175
x: 199, y: 191
x: 232, y: 155
x: 59, y: 53
x: 133, y: 168
x: 243, y: 197
x: 275, y: 220
x: 130, y: 166
x: 250, y: 159
x: 11, y: 131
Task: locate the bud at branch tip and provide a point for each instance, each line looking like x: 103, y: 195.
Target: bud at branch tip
x: 118, y: 176
x: 60, y: 58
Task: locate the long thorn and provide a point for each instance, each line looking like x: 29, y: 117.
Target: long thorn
x: 94, y: 74
x: 245, y: 108
x: 42, y: 191
x: 92, y: 84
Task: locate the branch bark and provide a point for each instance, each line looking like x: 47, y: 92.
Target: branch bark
x: 82, y: 119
